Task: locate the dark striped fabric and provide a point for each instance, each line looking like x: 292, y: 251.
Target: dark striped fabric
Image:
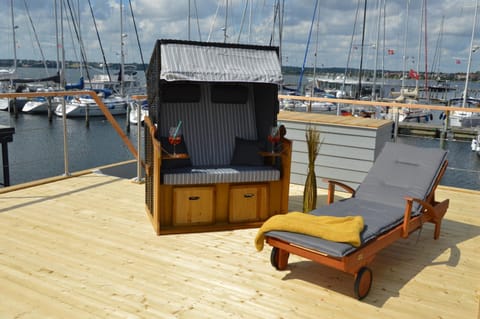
x: 209, y: 129
x: 209, y: 175
x: 214, y: 63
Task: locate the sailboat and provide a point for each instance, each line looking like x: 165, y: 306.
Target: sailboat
x: 411, y: 95
x: 465, y: 118
x: 112, y: 92
x: 8, y: 75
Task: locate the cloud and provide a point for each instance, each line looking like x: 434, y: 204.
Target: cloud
x: 335, y: 31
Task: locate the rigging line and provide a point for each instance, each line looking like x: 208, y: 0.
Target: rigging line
x: 99, y: 40
x: 438, y: 50
x: 275, y: 13
x: 82, y: 48
x: 226, y: 22
x: 426, y: 51
x: 280, y: 29
x: 198, y: 22
x: 213, y: 23
x: 299, y: 85
x: 250, y: 14
x: 36, y: 36
x: 71, y: 39
x: 349, y: 52
x: 136, y: 34
x: 244, y: 13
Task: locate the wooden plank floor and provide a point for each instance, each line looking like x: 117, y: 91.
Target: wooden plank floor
x: 84, y: 248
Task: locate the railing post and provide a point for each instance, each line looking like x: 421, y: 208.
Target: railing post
x: 49, y: 108
x: 139, y: 143
x: 127, y: 117
x: 396, y: 121
x: 65, y: 139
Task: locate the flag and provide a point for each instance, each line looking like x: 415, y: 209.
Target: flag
x: 413, y: 74
x: 391, y: 52
x: 457, y: 61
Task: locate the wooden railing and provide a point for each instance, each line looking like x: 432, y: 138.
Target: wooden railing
x: 100, y: 104
x: 378, y: 103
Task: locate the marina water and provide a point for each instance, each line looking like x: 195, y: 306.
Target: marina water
x: 37, y: 149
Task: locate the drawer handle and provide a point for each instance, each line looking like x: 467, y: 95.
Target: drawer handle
x: 194, y: 198
x: 249, y: 195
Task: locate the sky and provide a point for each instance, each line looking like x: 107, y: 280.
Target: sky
x: 329, y: 35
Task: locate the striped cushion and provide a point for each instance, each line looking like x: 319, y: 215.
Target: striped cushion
x: 210, y: 131
x: 213, y: 175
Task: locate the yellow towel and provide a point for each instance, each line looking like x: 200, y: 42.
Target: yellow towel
x: 339, y: 229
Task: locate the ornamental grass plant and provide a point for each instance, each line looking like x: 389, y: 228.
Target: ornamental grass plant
x: 310, y: 191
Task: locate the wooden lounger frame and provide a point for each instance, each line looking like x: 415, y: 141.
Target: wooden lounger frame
x: 355, y: 263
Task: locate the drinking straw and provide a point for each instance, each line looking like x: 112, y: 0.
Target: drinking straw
x: 178, y: 128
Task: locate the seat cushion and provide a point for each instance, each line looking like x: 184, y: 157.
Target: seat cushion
x: 213, y: 175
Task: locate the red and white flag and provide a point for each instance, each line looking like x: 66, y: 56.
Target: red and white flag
x: 413, y: 74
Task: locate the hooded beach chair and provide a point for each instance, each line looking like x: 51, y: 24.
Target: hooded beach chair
x: 396, y: 198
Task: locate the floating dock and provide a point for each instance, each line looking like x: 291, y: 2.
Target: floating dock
x: 432, y: 130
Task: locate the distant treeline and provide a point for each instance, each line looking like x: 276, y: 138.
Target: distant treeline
x: 391, y: 74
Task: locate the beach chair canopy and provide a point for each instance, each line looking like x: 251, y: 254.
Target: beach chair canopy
x: 218, y: 62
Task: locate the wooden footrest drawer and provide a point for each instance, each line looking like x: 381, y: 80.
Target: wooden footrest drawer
x: 193, y: 205
x: 247, y: 203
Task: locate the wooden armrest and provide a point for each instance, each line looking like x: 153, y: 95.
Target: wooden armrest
x: 435, y: 211
x: 331, y: 189
x: 431, y: 213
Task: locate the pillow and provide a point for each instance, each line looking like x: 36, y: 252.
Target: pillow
x: 179, y: 149
x: 247, y: 152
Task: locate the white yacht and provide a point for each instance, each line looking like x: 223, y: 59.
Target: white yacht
x: 79, y: 106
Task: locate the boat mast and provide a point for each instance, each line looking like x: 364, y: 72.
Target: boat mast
x: 404, y: 52
x: 374, y: 86
x: 122, y: 51
x: 56, y: 35
x: 359, y: 93
x: 300, y: 79
x: 14, y: 40
x: 465, y: 90
x: 427, y: 93
x: 420, y: 29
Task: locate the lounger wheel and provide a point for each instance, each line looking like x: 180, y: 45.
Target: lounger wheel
x: 274, y: 257
x: 363, y: 282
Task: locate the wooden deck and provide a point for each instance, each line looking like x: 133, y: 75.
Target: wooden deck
x: 83, y: 247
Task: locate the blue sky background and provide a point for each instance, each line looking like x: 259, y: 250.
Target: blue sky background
x: 337, y: 29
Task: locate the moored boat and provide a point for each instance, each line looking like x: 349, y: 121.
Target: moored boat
x: 133, y: 115
x: 465, y: 118
x: 79, y: 106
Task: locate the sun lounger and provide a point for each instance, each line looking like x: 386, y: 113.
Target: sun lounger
x: 396, y: 198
